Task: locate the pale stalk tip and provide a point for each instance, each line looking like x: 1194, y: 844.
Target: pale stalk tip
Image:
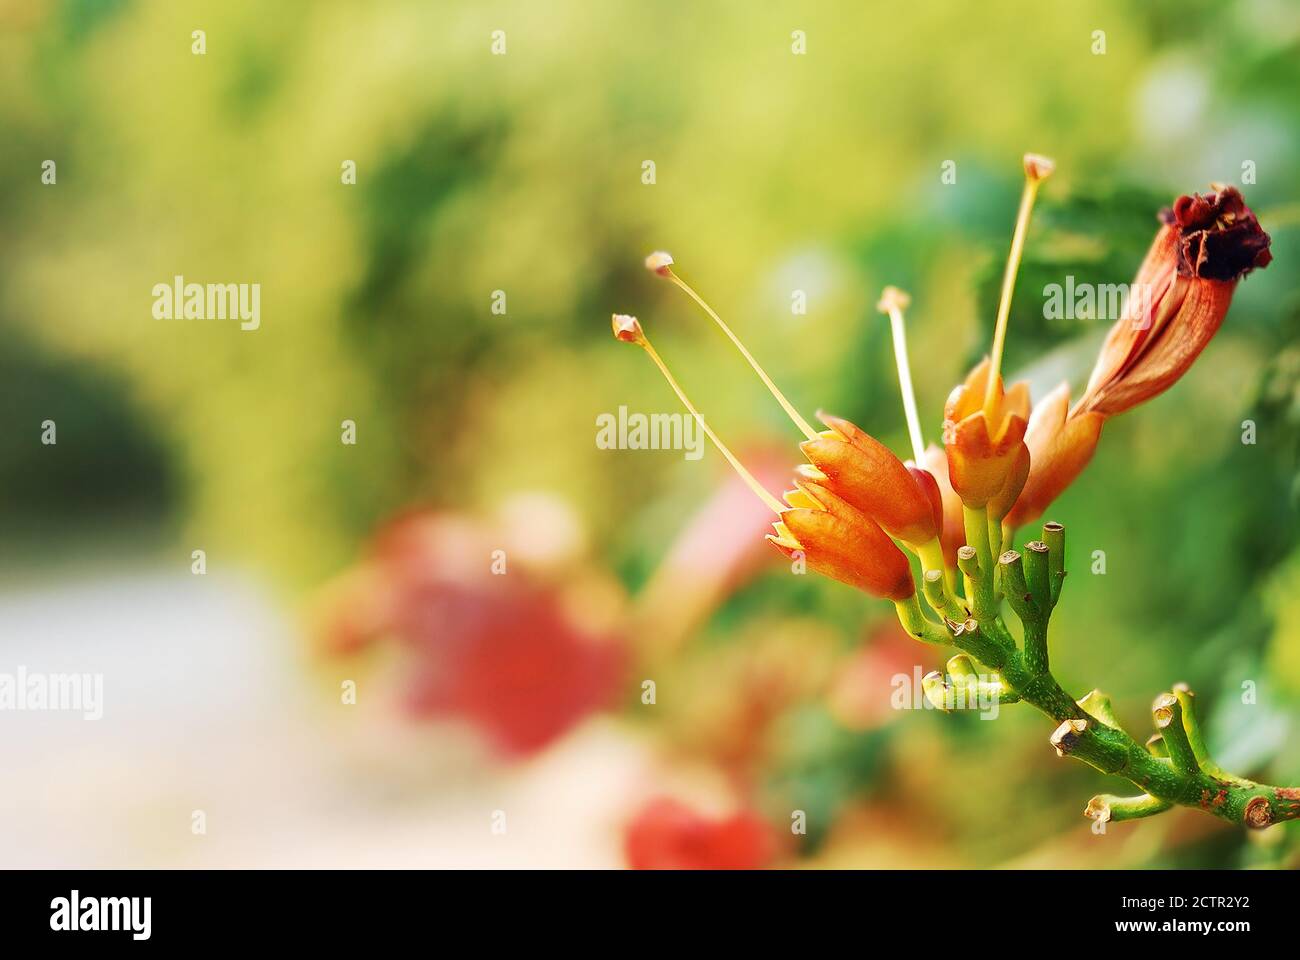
x: 892, y: 298
x: 627, y: 328
x: 660, y: 262
x: 1038, y: 167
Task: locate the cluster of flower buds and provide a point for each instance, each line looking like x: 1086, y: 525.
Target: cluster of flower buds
x: 1002, y: 463
x: 855, y: 506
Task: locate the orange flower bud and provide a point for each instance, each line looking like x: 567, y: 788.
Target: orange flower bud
x: 865, y: 473
x: 953, y: 532
x: 1017, y: 476
x: 984, y: 441
x: 841, y: 542
x: 930, y: 487
x: 1060, y: 446
x: 1184, y: 288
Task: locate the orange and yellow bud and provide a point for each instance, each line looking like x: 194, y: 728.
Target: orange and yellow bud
x: 983, y: 434
x: 930, y: 488
x: 1060, y: 446
x: 1017, y: 477
x: 866, y: 474
x: 841, y: 542
x: 953, y: 533
x: 1205, y: 246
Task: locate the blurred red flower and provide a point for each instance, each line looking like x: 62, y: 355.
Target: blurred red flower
x: 510, y: 654
x: 668, y: 835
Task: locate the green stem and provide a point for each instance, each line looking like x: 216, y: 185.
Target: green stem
x: 943, y: 602
x: 1014, y: 587
x: 1108, y: 807
x: 1168, y: 715
x: 1054, y: 537
x: 1088, y: 729
x: 961, y: 692
x: 1098, y: 706
x: 1192, y: 725
x: 977, y: 536
x: 916, y: 623
x: 1036, y: 564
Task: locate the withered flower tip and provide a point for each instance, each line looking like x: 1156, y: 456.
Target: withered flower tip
x: 1219, y: 237
x: 659, y: 262
x: 627, y: 328
x: 1206, y: 244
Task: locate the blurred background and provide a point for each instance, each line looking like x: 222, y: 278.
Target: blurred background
x: 430, y: 647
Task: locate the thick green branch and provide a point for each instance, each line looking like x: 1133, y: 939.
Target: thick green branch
x: 1172, y: 768
x: 980, y: 587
